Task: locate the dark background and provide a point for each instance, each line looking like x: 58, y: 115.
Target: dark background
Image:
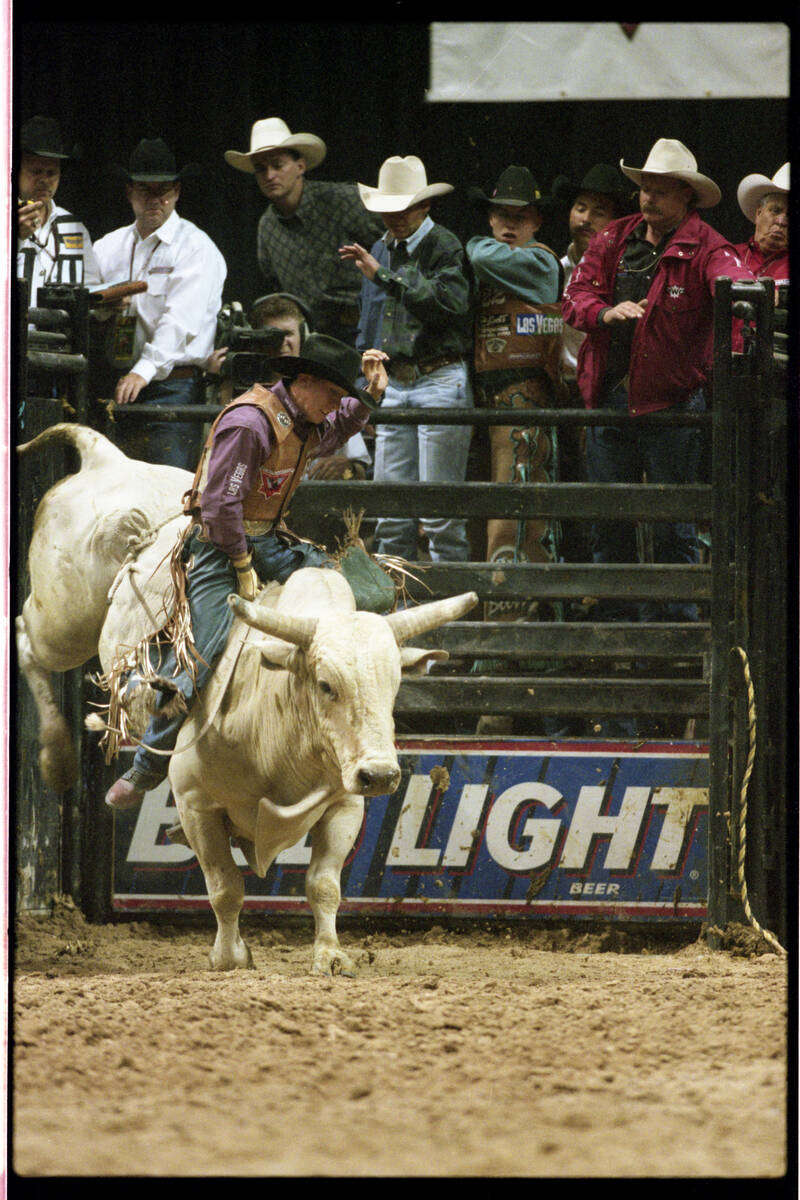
x: 361, y: 88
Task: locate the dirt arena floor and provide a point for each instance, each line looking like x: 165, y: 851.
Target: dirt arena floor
x: 499, y: 1050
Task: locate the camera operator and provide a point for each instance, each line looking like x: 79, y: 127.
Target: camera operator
x: 270, y: 314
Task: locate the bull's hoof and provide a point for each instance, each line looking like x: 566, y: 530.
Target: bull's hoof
x: 333, y: 962
x: 238, y: 958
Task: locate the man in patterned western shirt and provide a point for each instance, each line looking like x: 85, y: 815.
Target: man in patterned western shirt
x: 304, y: 224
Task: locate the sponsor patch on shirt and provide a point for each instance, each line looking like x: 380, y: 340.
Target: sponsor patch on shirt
x: 539, y: 324
x: 675, y: 290
x: 73, y: 241
x: 272, y: 482
x: 236, y: 476
x: 160, y: 271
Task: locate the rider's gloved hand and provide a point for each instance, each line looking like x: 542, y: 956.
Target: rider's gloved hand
x: 246, y: 579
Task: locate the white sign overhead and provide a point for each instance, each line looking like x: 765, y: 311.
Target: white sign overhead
x: 606, y: 60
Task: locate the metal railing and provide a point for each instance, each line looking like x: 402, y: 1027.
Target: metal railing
x: 588, y: 668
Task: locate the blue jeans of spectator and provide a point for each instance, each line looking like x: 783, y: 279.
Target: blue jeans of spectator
x: 428, y: 454
x: 210, y: 579
x: 622, y: 454
x: 176, y: 443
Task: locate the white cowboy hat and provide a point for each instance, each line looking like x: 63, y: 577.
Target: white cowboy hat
x: 274, y: 134
x: 753, y: 188
x: 401, y: 183
x: 671, y: 158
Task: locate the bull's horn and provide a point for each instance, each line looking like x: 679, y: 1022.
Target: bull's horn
x: 298, y: 630
x: 410, y: 622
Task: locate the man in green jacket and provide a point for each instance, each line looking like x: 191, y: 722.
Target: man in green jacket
x: 416, y: 305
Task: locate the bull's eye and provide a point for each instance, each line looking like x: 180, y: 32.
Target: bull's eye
x: 325, y: 688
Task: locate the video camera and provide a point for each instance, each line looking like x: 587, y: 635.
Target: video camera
x: 249, y: 350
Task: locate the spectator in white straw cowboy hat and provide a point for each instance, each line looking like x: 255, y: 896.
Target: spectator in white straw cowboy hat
x: 304, y: 224
x: 416, y: 305
x: 765, y: 202
x: 643, y: 294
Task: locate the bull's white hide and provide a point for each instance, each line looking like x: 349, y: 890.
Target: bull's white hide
x: 294, y: 728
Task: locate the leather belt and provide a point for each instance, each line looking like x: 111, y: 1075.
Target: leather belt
x: 410, y: 372
x: 183, y: 372
x: 255, y: 528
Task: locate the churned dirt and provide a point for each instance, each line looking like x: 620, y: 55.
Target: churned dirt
x: 495, y: 1050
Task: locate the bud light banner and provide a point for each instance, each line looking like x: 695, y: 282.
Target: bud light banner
x: 508, y: 829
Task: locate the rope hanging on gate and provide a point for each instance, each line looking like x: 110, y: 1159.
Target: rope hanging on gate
x: 751, y: 730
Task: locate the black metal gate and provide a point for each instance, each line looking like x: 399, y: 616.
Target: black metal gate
x: 581, y: 667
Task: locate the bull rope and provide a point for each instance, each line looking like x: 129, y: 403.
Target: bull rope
x: 751, y: 727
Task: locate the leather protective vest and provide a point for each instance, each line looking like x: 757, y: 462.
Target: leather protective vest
x: 279, y: 474
x: 513, y: 333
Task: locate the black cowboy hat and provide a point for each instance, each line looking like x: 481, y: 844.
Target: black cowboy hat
x: 153, y: 162
x: 602, y: 178
x: 516, y: 188
x: 326, y: 358
x: 42, y: 136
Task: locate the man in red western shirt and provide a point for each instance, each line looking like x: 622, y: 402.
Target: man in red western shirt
x: 643, y: 294
x: 765, y: 202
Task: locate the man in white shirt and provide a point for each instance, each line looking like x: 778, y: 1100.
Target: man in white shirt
x: 163, y: 339
x: 52, y: 245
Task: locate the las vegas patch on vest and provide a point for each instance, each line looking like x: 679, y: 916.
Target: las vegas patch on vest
x: 513, y: 829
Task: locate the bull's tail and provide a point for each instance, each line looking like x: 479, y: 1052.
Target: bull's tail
x: 95, y: 449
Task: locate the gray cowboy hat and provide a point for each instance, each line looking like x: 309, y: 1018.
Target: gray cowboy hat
x: 326, y: 358
x: 601, y: 178
x: 152, y: 161
x: 515, y: 188
x: 42, y: 136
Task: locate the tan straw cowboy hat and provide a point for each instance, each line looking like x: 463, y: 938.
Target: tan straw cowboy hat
x: 274, y: 134
x: 753, y: 188
x: 671, y: 158
x: 401, y: 183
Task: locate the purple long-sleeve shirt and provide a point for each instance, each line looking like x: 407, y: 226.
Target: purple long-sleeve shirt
x: 242, y: 442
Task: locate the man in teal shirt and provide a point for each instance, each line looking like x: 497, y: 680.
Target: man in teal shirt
x: 518, y: 336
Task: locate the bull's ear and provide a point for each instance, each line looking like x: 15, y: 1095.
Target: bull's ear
x: 276, y: 653
x: 415, y: 662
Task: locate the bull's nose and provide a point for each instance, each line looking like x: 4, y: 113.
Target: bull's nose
x: 378, y: 781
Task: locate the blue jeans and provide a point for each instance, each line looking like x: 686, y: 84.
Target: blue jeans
x: 428, y: 453
x: 210, y: 579
x: 176, y: 443
x: 622, y: 455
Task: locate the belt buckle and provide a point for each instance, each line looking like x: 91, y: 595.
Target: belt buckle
x: 406, y: 373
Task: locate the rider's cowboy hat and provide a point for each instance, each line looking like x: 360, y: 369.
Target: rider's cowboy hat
x: 753, y: 188
x: 401, y: 183
x: 516, y: 188
x: 326, y: 358
x: 601, y: 178
x: 42, y: 136
x: 274, y: 134
x: 672, y: 159
x: 152, y: 161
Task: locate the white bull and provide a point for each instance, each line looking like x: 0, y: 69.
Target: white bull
x: 295, y: 726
